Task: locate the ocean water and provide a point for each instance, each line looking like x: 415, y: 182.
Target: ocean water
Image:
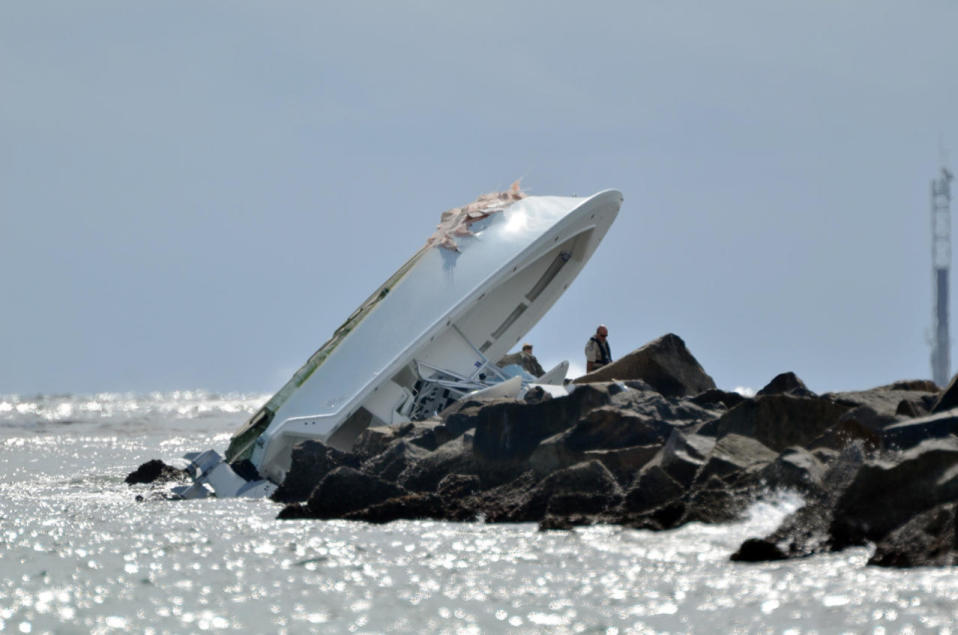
x: 78, y: 554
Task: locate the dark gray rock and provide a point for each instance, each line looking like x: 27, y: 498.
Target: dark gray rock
x: 652, y: 488
x: 586, y: 480
x: 373, y: 441
x: 910, y: 433
x: 394, y: 460
x: 155, y: 471
x: 715, y: 396
x: 668, y: 412
x: 806, y: 531
x: 948, y: 399
x: 683, y: 456
x: 345, y: 490
x: 608, y: 427
x: 886, y: 493
x: 458, y: 486
x: 455, y: 457
x: 624, y: 463
x: 786, y: 383
x: 758, y: 550
x: 847, y: 431
x: 665, y: 364
x: 927, y: 540
x: 511, y: 431
x: 311, y: 462
x: 715, y: 502
x: 795, y: 468
x: 884, y: 400
x: 780, y: 421
x: 417, y: 506
x: 733, y: 454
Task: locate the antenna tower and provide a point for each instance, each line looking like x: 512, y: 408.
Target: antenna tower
x: 941, y: 264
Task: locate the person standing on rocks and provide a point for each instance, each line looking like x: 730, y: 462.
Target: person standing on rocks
x: 529, y: 361
x: 525, y: 359
x: 597, y: 352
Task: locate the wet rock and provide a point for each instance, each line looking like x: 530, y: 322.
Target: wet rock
x: 886, y: 493
x: 311, y: 462
x: 458, y: 486
x: 733, y: 454
x: 501, y: 503
x: 807, y: 531
x: 417, y: 506
x: 345, y: 490
x: 665, y: 364
x: 846, y: 431
x: 795, y: 468
x: 927, y: 540
x: 758, y: 550
x: 590, y: 480
x: 716, y: 502
x: 155, y: 471
x: 786, y: 383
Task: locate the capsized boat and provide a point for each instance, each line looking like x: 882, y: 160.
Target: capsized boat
x: 425, y: 338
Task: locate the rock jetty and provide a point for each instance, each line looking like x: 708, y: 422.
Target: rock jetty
x: 650, y: 442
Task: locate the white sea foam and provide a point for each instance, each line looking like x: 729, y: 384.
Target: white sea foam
x: 79, y: 555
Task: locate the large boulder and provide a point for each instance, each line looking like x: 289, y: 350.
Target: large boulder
x: 786, y: 383
x: 608, y: 427
x: 886, y: 400
x: 927, y: 540
x: 311, y: 462
x: 589, y: 484
x: 665, y: 363
x: 653, y: 487
x: 511, y: 431
x: 732, y: 455
x: 780, y: 421
x: 345, y: 490
x: 886, y: 493
x: 795, y: 468
x: 454, y: 457
x: 624, y: 463
x: 394, y: 460
x: 806, y: 531
x: 682, y: 456
x: 667, y: 412
x: 155, y: 471
x: 909, y: 433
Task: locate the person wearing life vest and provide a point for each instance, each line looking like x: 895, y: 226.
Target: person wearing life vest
x: 597, y: 352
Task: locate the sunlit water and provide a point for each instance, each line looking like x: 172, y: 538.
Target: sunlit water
x: 78, y: 554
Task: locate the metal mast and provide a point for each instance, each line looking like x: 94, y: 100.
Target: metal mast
x: 941, y: 263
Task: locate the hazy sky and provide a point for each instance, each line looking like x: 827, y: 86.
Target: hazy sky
x: 195, y: 194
